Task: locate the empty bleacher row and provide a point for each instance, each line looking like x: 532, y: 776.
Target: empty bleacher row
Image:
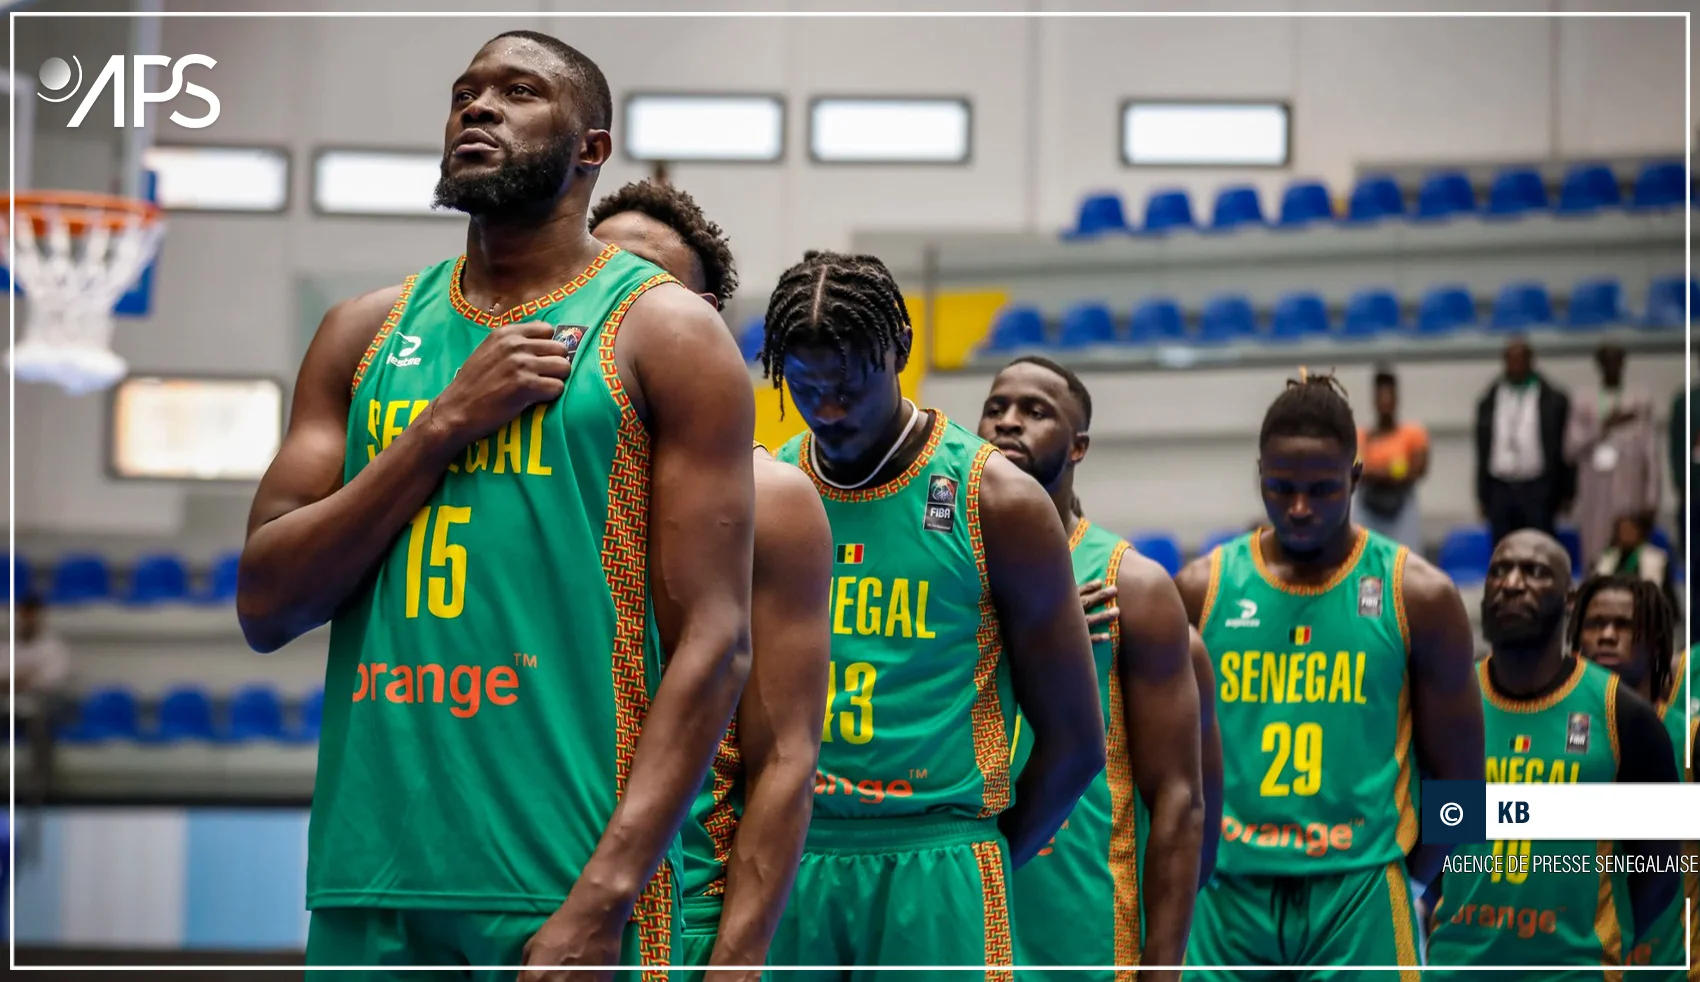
x: 153, y: 579
x: 255, y: 712
x: 1585, y: 190
x: 1520, y: 306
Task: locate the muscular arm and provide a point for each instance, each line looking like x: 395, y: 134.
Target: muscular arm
x: 311, y: 540
x: 1645, y: 755
x: 697, y: 397
x: 1211, y: 759
x: 1050, y: 657
x: 1160, y: 710
x: 1446, y: 704
x: 780, y: 712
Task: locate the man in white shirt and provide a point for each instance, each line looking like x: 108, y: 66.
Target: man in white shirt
x: 1522, y: 477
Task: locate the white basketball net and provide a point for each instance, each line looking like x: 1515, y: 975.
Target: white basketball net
x: 71, y: 290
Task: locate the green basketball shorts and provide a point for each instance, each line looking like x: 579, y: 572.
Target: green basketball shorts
x: 696, y: 939
x: 925, y: 890
x: 1359, y: 918
x: 388, y: 940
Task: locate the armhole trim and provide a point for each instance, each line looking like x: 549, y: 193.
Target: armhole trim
x: 378, y: 339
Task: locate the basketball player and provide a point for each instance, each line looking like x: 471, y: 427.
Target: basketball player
x: 1553, y: 718
x: 1344, y: 666
x: 952, y: 591
x: 516, y: 484
x: 1624, y: 625
x: 1117, y: 884
x: 747, y: 825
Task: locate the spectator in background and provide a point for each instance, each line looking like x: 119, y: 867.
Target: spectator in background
x: 1683, y: 455
x: 1522, y: 477
x: 1632, y: 553
x: 42, y: 664
x: 1395, y: 458
x: 1610, y: 442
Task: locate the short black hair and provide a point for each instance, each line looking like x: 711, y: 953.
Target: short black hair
x: 1654, y: 621
x: 1076, y: 387
x: 597, y: 101
x: 1314, y: 405
x: 845, y: 300
x: 1384, y: 376
x: 680, y: 212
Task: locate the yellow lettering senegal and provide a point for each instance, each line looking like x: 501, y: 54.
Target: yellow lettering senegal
x: 1274, y: 676
x: 855, y: 610
x: 392, y: 426
x: 374, y: 412
x: 507, y: 448
x: 1292, y: 677
x: 1527, y: 770
x: 534, y: 461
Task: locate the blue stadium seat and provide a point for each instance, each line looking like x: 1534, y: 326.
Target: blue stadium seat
x: 1157, y: 320
x: 105, y: 714
x: 1660, y: 538
x: 221, y: 580
x: 21, y: 577
x: 1465, y: 552
x: 1522, y: 305
x: 1445, y: 308
x: 1517, y: 191
x: 1661, y: 184
x: 312, y: 710
x: 1236, y: 206
x: 79, y: 579
x: 1371, y: 312
x: 1595, y: 303
x: 1303, y: 203
x: 1588, y: 188
x: 1570, y: 537
x: 1227, y: 317
x: 1099, y: 213
x: 750, y: 341
x: 1665, y: 298
x: 256, y: 713
x: 1299, y: 315
x: 1167, y: 209
x: 1218, y: 538
x: 1162, y: 549
x: 1445, y: 194
x: 1016, y: 328
x: 1376, y: 197
x: 1087, y: 324
x: 157, y: 579
x: 184, y: 714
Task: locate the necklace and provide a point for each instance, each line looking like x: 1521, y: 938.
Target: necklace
x: 814, y: 458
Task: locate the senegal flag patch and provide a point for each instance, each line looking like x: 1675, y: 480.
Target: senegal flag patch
x: 851, y: 554
x: 1299, y: 635
x: 1521, y: 744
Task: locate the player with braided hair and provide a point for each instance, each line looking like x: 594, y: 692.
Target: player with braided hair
x: 659, y: 221
x: 1625, y: 624
x: 1345, y: 667
x: 953, y: 604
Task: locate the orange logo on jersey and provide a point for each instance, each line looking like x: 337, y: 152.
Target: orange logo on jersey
x: 870, y: 791
x: 1314, y: 839
x: 468, y: 686
x: 1525, y: 921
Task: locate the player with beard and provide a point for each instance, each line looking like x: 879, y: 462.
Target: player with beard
x: 516, y: 484
x: 1344, y: 667
x: 953, y: 605
x: 746, y: 827
x: 1554, y: 718
x: 1624, y: 624
x: 1116, y: 884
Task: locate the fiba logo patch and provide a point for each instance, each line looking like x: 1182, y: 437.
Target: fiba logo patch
x: 570, y: 336
x: 1369, y: 596
x: 1576, y: 733
x: 56, y: 75
x: 940, y: 509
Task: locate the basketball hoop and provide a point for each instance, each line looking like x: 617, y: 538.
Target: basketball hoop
x: 76, y: 254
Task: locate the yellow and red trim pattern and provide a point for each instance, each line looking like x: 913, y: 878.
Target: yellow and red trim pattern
x: 1211, y: 591
x: 1526, y: 706
x: 1606, y: 926
x: 1409, y: 824
x: 1078, y: 534
x: 1404, y: 930
x: 513, y: 315
x: 1118, y: 773
x: 987, y: 712
x: 1000, y: 950
x: 625, y: 551
x: 863, y: 495
x: 1306, y: 589
x: 1678, y: 671
x: 721, y: 823
x: 378, y: 339
x: 1611, y: 719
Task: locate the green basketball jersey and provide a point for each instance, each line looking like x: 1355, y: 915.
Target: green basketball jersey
x: 1546, y: 904
x: 1314, y: 705
x: 1078, y: 901
x: 715, y: 811
x: 486, y: 687
x: 1665, y: 943
x: 918, y: 702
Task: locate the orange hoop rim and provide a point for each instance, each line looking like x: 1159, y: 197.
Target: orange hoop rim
x: 81, y: 210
